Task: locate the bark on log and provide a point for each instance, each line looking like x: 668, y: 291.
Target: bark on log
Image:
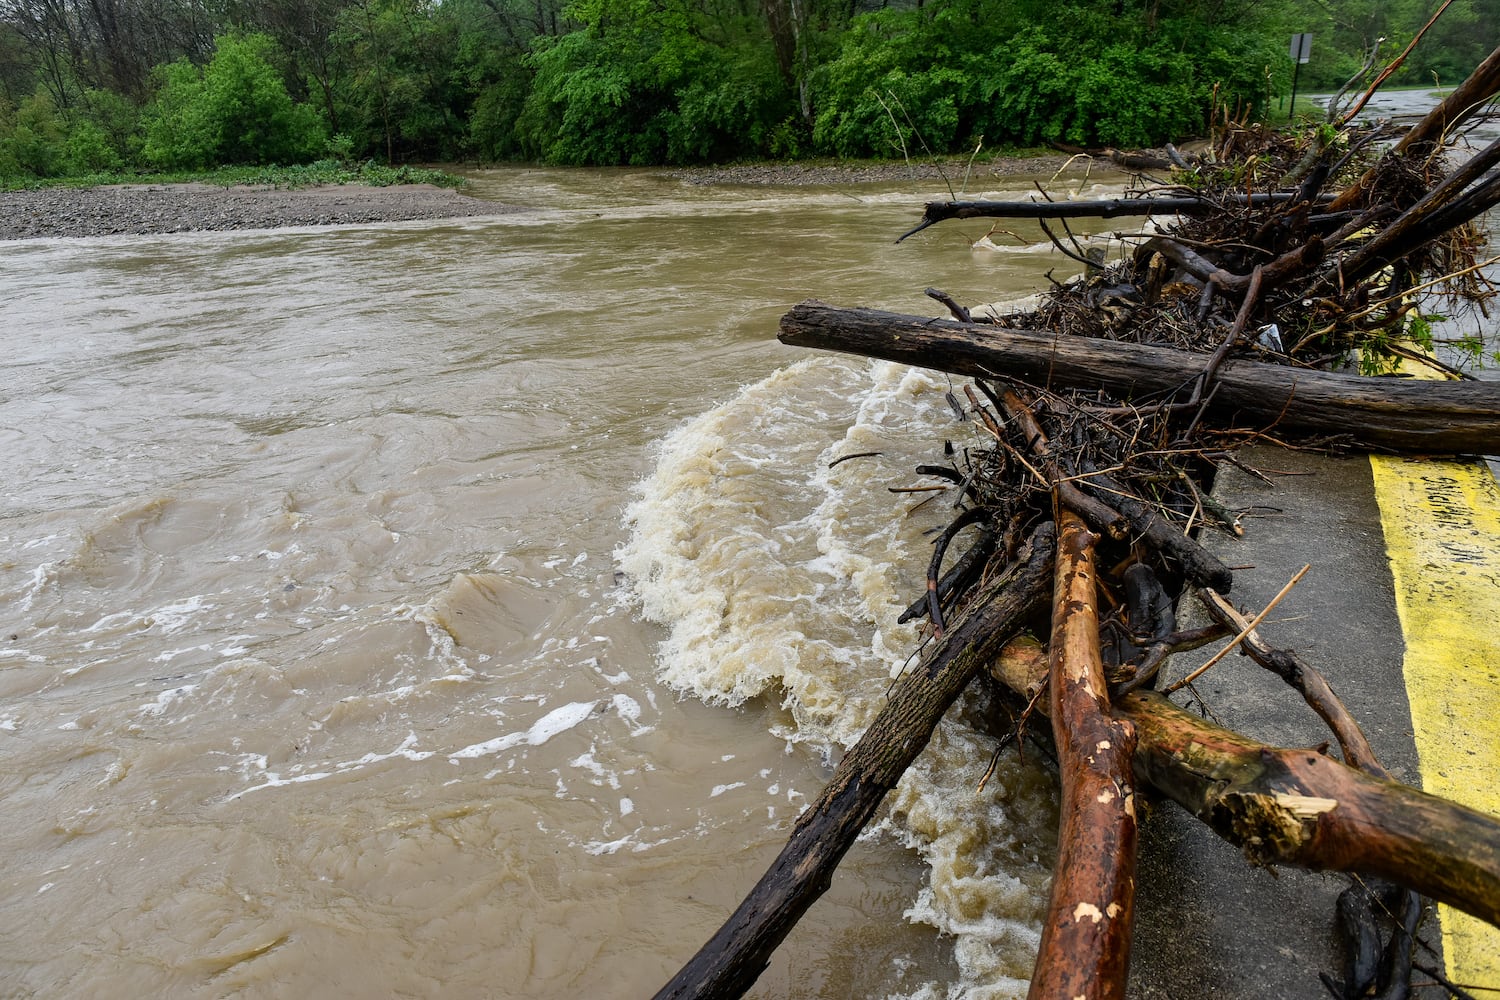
x: 1199, y: 565
x: 1085, y: 949
x: 1299, y: 807
x: 1381, y: 413
x: 1465, y: 100
x: 941, y: 211
x: 1302, y: 808
x: 732, y: 959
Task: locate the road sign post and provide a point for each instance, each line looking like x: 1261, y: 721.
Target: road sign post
x: 1301, y: 52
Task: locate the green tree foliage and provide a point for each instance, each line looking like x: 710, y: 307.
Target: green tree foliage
x: 94, y: 84
x: 642, y: 83
x: 40, y: 140
x: 399, y: 91
x: 1090, y: 78
x: 235, y: 111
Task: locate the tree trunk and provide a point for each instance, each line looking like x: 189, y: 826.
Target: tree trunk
x: 1085, y: 948
x: 1379, y: 413
x: 1303, y: 808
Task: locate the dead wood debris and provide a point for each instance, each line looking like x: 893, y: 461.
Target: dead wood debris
x: 1313, y: 251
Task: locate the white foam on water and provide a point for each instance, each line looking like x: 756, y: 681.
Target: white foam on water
x: 179, y: 615
x: 779, y: 570
x: 556, y: 721
x: 166, y: 700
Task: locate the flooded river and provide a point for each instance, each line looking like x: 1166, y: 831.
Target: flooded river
x: 373, y: 598
x: 467, y: 609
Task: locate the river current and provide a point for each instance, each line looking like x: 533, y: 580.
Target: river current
x: 467, y: 609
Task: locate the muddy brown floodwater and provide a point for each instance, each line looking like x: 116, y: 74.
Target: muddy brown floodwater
x: 323, y: 560
x: 466, y: 609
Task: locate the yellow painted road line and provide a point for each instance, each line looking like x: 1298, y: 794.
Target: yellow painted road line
x: 1442, y: 534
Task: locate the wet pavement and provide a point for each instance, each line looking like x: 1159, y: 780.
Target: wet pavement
x: 1209, y: 924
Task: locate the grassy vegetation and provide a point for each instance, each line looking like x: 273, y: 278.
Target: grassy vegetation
x: 304, y: 175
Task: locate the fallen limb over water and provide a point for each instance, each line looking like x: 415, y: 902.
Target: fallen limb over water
x: 1393, y: 414
x: 1099, y: 423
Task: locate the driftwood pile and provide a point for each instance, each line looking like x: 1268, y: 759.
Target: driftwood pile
x: 1293, y: 269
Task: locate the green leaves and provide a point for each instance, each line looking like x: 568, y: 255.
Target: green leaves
x: 235, y: 111
x: 641, y: 84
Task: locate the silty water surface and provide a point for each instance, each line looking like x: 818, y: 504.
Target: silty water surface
x: 323, y: 561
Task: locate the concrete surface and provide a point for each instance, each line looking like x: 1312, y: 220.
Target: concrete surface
x: 1208, y: 925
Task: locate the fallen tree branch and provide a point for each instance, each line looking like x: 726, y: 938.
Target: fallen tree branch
x: 1299, y: 807
x: 1085, y: 948
x: 732, y: 959
x: 1099, y: 515
x: 1302, y: 808
x: 1394, y: 65
x: 1382, y: 413
x: 1246, y: 628
x: 1198, y: 564
x: 1304, y: 679
x: 942, y: 211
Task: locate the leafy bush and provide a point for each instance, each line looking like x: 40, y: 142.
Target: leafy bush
x: 652, y: 89
x: 38, y: 140
x: 31, y: 138
x: 1132, y: 98
x: 235, y: 111
x: 953, y: 71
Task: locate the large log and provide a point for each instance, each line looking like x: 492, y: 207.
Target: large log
x: 1380, y: 413
x: 732, y: 959
x: 1300, y: 807
x: 1085, y: 948
x: 1110, y: 208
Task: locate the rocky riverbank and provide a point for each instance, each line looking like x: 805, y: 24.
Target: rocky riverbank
x: 178, y: 208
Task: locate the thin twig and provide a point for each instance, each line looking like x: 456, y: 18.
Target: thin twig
x: 1244, y: 632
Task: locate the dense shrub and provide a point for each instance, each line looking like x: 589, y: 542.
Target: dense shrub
x: 234, y: 111
x: 901, y: 74
x: 38, y: 140
x: 650, y: 95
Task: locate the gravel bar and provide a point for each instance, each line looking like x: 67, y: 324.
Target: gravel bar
x: 182, y: 208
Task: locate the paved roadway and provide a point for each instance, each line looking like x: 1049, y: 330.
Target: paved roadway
x: 1398, y: 612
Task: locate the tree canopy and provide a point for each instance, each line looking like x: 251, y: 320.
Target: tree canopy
x: 90, y: 85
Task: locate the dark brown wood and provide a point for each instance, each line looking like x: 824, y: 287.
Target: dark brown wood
x: 1381, y: 413
x: 1199, y: 565
x: 1299, y: 807
x: 1099, y: 515
x: 1424, y: 221
x: 732, y: 959
x: 1085, y: 948
x: 1111, y: 208
x: 1466, y: 99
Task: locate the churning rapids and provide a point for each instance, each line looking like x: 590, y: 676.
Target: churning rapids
x: 466, y: 609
